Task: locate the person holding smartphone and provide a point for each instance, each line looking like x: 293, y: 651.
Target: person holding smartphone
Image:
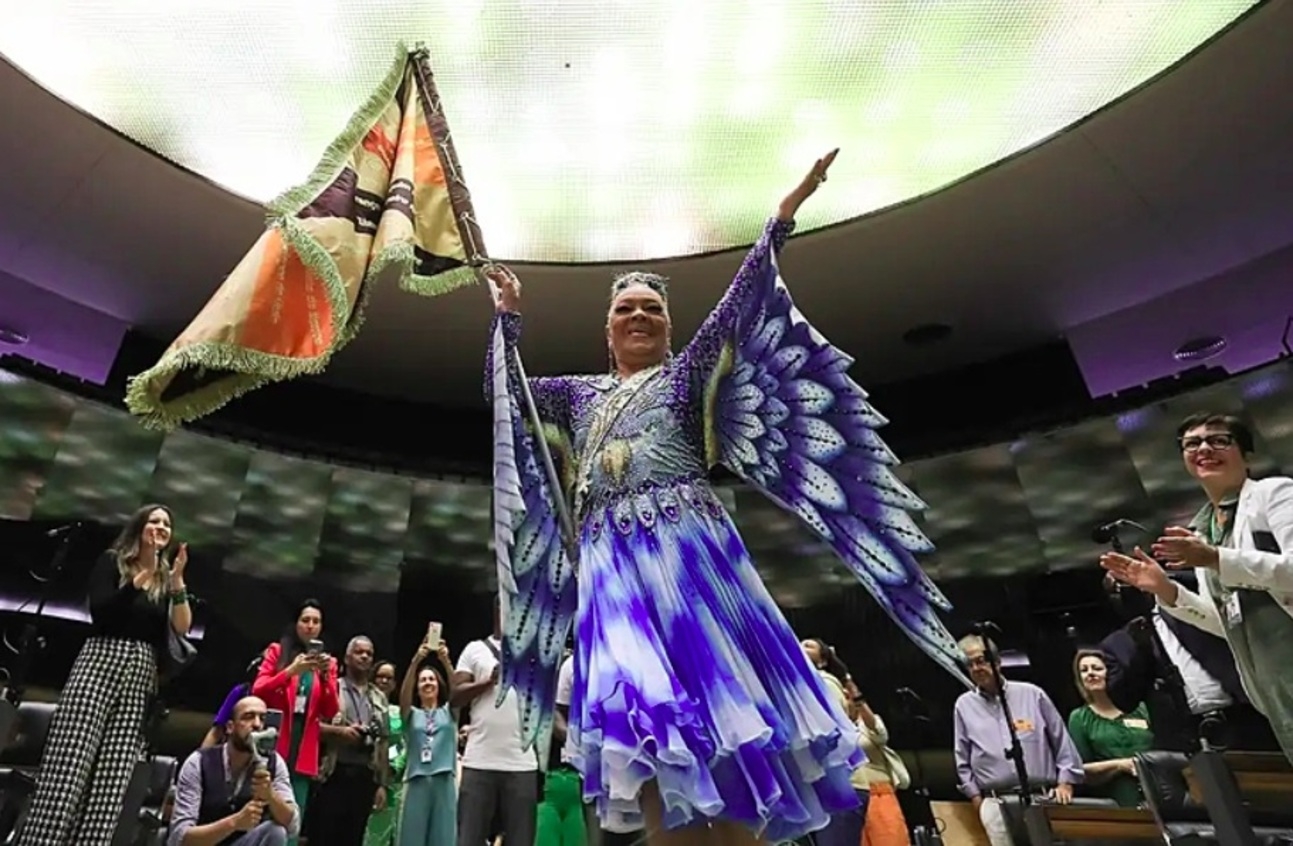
x: 299, y: 678
x: 429, y: 809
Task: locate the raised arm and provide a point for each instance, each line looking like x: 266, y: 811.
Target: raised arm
x: 446, y: 664
x: 409, y: 687
x: 702, y: 353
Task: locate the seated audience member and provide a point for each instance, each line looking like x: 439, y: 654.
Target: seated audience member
x: 981, y: 736
x: 1154, y: 647
x: 1107, y: 738
x: 222, y: 796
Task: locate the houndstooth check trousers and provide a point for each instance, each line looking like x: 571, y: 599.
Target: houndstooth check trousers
x: 95, y: 738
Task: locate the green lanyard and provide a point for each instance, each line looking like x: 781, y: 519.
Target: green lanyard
x: 1216, y: 533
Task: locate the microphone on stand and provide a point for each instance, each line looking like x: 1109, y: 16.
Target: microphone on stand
x: 63, y: 530
x: 1015, y: 751
x: 1110, y: 532
x: 1070, y: 630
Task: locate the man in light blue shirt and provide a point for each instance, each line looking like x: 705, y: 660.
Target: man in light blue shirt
x: 982, y: 738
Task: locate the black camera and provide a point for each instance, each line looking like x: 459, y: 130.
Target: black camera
x: 374, y: 731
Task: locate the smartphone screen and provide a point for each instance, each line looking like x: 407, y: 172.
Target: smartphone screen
x: 433, y: 634
x: 274, y: 718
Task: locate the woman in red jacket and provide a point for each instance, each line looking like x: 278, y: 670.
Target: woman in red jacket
x: 304, y: 687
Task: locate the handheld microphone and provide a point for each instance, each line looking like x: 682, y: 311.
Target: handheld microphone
x: 64, y: 530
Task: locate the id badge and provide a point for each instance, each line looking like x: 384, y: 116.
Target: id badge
x: 1234, y: 613
x: 425, y: 757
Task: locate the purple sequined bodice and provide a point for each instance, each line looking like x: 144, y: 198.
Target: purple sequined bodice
x: 636, y: 441
x: 634, y: 450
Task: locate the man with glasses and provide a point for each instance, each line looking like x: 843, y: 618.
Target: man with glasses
x: 981, y: 737
x: 1241, y: 546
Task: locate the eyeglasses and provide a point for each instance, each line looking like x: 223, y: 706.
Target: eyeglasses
x: 1220, y: 440
x: 978, y: 661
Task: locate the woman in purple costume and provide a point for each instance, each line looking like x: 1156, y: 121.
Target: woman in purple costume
x: 693, y: 703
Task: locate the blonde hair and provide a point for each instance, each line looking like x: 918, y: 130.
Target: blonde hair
x: 1077, y: 670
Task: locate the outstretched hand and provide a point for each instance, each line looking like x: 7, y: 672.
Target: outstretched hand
x: 507, y: 288
x: 816, y: 176
x: 1141, y: 572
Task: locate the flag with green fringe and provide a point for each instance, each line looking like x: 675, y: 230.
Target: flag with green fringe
x: 388, y: 193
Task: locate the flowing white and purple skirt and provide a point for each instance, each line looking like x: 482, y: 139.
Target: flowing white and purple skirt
x: 687, y: 674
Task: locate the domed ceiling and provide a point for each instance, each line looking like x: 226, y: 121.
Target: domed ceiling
x: 616, y: 130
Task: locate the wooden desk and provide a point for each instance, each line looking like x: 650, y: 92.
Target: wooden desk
x: 1058, y: 823
x: 959, y: 824
x: 1258, y: 762
x: 1258, y: 775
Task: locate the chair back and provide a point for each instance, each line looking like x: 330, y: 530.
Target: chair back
x: 31, y: 730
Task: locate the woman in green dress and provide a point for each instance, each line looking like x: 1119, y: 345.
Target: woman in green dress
x: 1107, y: 739
x: 381, y: 824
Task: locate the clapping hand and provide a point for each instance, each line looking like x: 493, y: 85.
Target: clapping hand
x: 1180, y: 548
x: 1140, y: 572
x: 177, y: 566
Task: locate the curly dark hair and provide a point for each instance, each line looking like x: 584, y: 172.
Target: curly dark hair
x: 654, y: 281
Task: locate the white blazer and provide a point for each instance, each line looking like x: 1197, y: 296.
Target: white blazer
x: 1264, y: 506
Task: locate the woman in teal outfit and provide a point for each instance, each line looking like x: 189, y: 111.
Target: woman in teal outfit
x: 429, y: 812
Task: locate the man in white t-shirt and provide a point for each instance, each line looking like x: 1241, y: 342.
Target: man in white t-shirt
x: 498, y: 777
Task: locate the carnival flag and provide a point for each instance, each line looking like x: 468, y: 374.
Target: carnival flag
x: 388, y: 193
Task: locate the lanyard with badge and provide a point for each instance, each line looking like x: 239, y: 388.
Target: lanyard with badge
x: 427, y: 749
x: 1231, y: 610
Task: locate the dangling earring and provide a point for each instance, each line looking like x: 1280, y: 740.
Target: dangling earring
x: 668, y: 352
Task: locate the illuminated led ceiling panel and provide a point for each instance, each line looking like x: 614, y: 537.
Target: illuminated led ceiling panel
x: 594, y: 130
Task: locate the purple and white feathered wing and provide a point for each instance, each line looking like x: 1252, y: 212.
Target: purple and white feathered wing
x: 536, y: 582
x: 783, y: 414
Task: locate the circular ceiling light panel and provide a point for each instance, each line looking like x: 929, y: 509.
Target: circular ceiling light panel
x: 620, y: 129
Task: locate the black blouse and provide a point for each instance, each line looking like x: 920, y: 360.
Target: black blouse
x: 124, y: 612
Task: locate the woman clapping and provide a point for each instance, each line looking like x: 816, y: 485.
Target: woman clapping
x: 97, y: 732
